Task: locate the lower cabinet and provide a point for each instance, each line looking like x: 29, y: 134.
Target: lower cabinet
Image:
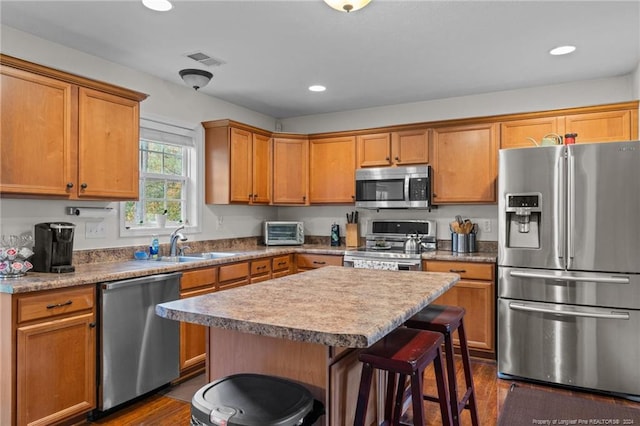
x: 260, y: 270
x: 475, y: 292
x: 306, y: 261
x: 233, y: 275
x: 281, y: 266
x: 55, y: 355
x: 193, y: 336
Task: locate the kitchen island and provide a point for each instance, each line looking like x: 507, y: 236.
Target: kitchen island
x: 309, y: 327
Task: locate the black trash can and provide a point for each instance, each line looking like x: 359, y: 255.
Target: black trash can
x: 254, y: 400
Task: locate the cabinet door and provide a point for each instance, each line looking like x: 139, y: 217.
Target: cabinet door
x: 411, y: 147
x: 612, y: 126
x: 108, y: 146
x: 38, y: 146
x: 332, y: 170
x: 56, y: 369
x: 477, y: 298
x: 305, y: 261
x: 374, y: 150
x: 464, y: 167
x: 193, y: 340
x: 241, y: 164
x: 515, y: 134
x: 261, y: 173
x: 290, y: 171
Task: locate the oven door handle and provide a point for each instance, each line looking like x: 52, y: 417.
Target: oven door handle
x: 606, y: 280
x: 528, y: 308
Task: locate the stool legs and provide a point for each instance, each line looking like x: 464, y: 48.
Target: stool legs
x: 445, y: 409
x: 469, y: 398
x: 363, y: 394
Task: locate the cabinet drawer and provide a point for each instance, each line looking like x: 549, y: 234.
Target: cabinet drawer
x: 198, y: 278
x: 467, y: 270
x: 281, y: 263
x: 261, y: 266
x: 233, y: 272
x: 318, y: 260
x: 52, y: 303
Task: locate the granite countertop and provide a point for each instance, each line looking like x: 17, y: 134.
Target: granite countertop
x: 91, y: 273
x: 333, y: 306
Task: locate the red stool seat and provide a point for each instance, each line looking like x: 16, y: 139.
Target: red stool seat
x: 403, y: 352
x: 446, y: 320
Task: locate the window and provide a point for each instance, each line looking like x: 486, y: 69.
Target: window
x: 167, y: 180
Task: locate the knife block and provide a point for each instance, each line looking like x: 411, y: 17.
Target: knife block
x: 353, y: 235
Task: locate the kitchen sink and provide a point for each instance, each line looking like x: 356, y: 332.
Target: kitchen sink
x: 179, y: 259
x: 213, y: 254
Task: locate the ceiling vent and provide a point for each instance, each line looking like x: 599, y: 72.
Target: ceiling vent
x: 205, y: 59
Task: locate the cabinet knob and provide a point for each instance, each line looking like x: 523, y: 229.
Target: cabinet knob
x: 304, y: 198
x: 397, y: 158
x: 387, y: 158
x: 83, y: 186
x: 92, y: 325
x: 69, y: 185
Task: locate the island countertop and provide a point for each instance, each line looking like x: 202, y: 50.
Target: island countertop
x: 333, y: 306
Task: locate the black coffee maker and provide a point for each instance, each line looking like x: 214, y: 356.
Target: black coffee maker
x: 53, y: 250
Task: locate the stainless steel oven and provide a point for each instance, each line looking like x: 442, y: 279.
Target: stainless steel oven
x: 384, y: 245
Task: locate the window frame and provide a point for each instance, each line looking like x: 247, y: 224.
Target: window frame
x: 189, y: 136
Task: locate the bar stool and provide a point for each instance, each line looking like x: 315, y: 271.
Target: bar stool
x: 446, y: 320
x: 403, y: 352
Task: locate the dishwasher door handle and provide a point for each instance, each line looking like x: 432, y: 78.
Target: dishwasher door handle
x: 600, y: 315
x: 137, y: 281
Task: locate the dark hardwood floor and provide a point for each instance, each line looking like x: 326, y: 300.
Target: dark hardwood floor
x: 490, y: 391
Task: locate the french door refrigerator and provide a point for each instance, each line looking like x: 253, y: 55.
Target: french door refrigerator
x: 569, y: 266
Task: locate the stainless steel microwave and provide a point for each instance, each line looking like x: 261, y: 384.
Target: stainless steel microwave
x: 283, y: 233
x: 394, y: 187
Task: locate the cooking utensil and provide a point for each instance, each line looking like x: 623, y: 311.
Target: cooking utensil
x: 412, y: 243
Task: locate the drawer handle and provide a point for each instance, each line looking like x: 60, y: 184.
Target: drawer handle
x: 59, y: 305
x: 282, y: 263
x: 261, y: 267
x: 315, y: 262
x: 458, y: 271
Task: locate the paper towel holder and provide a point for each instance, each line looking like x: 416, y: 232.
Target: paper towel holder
x: 89, y: 211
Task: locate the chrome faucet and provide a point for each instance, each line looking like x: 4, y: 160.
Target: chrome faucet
x: 173, y: 240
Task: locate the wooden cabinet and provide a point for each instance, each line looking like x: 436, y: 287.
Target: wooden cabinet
x: 237, y: 163
x: 393, y: 149
x: 515, y: 134
x: 290, y: 170
x: 193, y: 353
x: 608, y: 126
x: 281, y: 266
x: 260, y: 270
x: 66, y: 136
x: 332, y: 166
x: 55, y: 355
x: 306, y: 261
x: 465, y: 164
x: 233, y: 275
x: 475, y: 292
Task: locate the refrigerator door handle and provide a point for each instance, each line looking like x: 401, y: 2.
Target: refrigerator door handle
x: 604, y: 280
x: 529, y: 308
x: 558, y: 214
x: 571, y: 208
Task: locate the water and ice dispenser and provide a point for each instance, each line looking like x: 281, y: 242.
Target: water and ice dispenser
x: 523, y: 213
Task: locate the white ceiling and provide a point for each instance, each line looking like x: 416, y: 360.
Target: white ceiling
x: 391, y: 52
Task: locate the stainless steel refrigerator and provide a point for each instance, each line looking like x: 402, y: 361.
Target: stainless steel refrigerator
x: 569, y: 266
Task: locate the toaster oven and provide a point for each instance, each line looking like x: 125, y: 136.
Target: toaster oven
x: 283, y: 233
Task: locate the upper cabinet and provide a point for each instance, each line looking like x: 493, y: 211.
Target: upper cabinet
x: 393, y: 149
x: 238, y: 163
x: 332, y: 170
x: 465, y: 164
x: 291, y: 170
x: 602, y: 123
x: 66, y: 136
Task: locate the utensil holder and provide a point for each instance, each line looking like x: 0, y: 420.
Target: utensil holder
x: 463, y: 243
x: 353, y: 235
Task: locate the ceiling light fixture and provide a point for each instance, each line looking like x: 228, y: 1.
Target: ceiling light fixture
x: 196, y: 78
x: 158, y: 5
x: 317, y: 88
x: 562, y: 50
x: 347, y: 5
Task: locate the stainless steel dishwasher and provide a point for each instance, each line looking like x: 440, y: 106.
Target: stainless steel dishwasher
x: 139, y: 351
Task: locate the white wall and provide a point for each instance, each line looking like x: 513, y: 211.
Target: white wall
x: 636, y: 86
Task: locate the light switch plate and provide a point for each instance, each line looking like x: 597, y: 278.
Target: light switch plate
x: 95, y: 229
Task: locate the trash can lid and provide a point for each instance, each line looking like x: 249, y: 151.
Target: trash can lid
x: 251, y: 400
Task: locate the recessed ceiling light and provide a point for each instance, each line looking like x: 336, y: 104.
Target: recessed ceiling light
x: 159, y: 5
x: 562, y: 50
x: 317, y: 88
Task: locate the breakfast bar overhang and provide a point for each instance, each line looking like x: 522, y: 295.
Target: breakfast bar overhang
x: 309, y: 327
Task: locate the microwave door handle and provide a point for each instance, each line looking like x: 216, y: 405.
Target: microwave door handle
x: 405, y: 196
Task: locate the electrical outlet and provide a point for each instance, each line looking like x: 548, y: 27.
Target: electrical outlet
x: 486, y: 225
x: 95, y: 230
x: 219, y: 223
